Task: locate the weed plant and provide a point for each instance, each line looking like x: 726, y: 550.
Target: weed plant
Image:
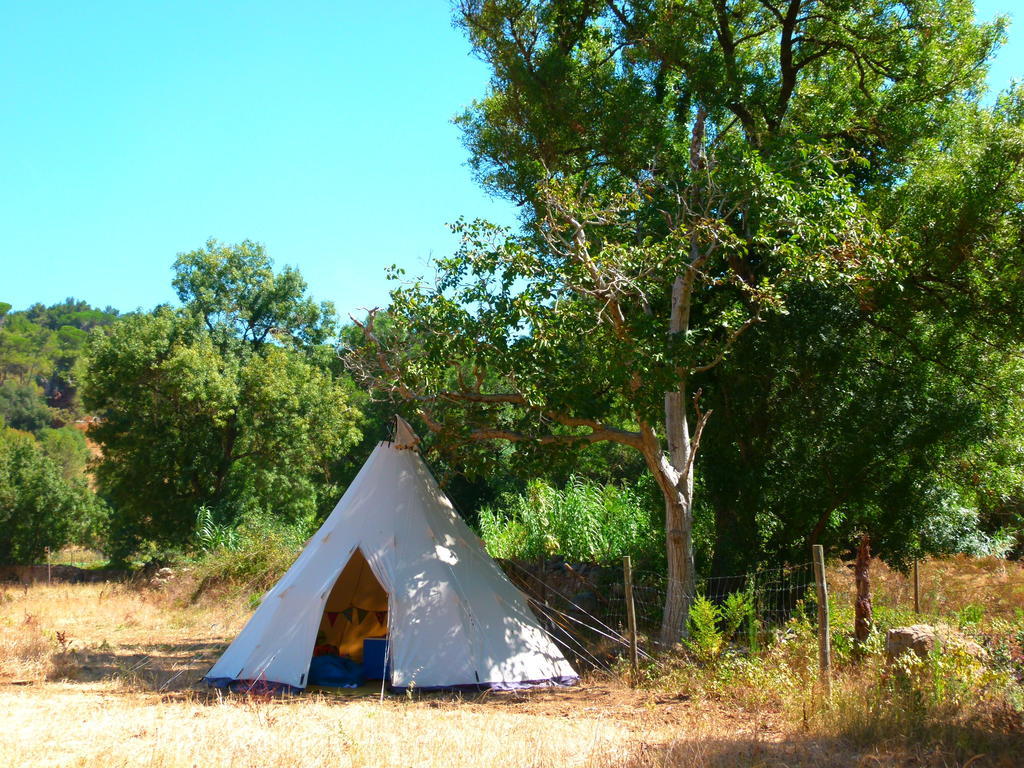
x: 950, y: 701
x: 582, y: 522
x: 249, y: 558
x: 963, y: 703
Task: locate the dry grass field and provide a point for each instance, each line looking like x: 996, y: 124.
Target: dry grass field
x: 948, y: 586
x: 106, y: 675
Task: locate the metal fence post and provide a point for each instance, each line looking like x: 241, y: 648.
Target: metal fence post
x: 824, y: 648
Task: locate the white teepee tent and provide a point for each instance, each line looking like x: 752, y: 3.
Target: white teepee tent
x: 394, y: 558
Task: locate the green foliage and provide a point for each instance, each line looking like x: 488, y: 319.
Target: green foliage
x: 949, y: 704
x: 239, y: 296
x: 736, y: 610
x: 848, y: 426
x: 27, y: 350
x: 582, y: 522
x: 819, y: 181
x: 250, y: 557
x: 70, y: 314
x: 714, y: 627
x: 944, y: 701
x: 791, y: 467
x: 957, y: 528
x: 704, y: 641
x: 40, y: 348
x: 39, y: 508
x: 971, y: 615
x: 215, y: 405
x: 22, y: 406
x: 210, y: 535
x: 67, y: 448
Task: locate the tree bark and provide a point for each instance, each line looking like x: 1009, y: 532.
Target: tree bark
x: 676, y: 471
x: 679, y: 551
x: 674, y: 474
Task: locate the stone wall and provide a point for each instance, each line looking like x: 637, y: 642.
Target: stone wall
x: 66, y: 574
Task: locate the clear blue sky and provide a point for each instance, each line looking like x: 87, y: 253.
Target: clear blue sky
x: 132, y: 131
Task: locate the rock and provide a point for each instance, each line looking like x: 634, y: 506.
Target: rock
x: 922, y: 638
x: 953, y: 640
x: 161, y: 578
x: 918, y: 638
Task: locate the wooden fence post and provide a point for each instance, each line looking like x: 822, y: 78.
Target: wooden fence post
x: 542, y: 572
x: 627, y: 569
x: 47, y: 566
x: 824, y: 649
x: 917, y: 588
x: 862, y: 607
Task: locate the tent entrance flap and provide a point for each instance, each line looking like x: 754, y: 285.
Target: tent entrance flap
x: 356, y: 608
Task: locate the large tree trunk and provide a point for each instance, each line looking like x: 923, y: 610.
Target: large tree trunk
x: 674, y: 473
x: 679, y: 549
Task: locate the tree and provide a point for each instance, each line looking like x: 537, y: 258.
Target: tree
x: 26, y: 349
x: 684, y: 168
x: 66, y: 447
x: 235, y: 291
x: 38, y: 507
x: 220, y: 404
x: 22, y: 406
x: 42, y: 346
x: 890, y: 408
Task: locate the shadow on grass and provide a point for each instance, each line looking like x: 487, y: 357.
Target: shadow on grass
x: 824, y: 752
x: 171, y: 668
x: 153, y: 666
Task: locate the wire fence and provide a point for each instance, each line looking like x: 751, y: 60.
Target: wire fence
x: 584, y: 607
x: 966, y: 594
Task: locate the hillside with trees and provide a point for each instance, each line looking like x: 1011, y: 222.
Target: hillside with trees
x: 230, y: 403
x: 231, y: 409
x: 40, y: 361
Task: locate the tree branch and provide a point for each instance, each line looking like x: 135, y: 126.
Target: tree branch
x: 727, y: 345
x: 599, y: 432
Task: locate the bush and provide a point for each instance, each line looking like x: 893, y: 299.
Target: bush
x: 39, y: 508
x: 713, y: 627
x: 22, y: 406
x: 705, y: 641
x: 583, y: 522
x: 67, y: 448
x: 736, y: 609
x: 949, y: 701
x: 956, y: 528
x: 250, y: 557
